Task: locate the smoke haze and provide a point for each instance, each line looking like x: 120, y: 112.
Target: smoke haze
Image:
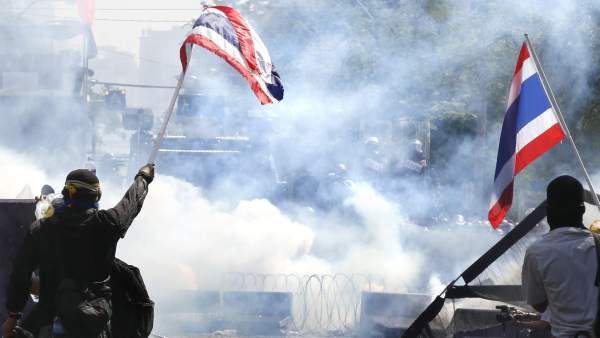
x: 342, y: 63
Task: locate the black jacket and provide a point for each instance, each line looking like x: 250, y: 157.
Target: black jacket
x: 75, y: 244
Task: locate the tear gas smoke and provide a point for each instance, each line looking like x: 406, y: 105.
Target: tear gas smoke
x: 341, y: 67
x: 19, y: 171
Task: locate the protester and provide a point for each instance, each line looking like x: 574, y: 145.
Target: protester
x: 412, y: 163
x: 74, y: 251
x: 374, y: 163
x: 559, y: 270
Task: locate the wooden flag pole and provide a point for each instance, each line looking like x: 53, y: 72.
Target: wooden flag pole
x: 561, y: 120
x: 163, y: 128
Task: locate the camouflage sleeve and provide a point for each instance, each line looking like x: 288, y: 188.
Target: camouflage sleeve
x: 121, y: 215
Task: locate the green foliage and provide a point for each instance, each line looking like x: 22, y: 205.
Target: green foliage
x: 590, y: 118
x: 448, y: 130
x: 454, y: 124
x: 437, y: 9
x: 587, y: 134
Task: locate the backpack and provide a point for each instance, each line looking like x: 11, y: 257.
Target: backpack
x: 133, y: 310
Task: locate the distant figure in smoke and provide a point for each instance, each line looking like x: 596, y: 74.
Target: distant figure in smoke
x: 374, y: 164
x: 74, y: 250
x: 414, y: 163
x: 334, y: 188
x: 80, y: 74
x: 304, y: 187
x: 559, y: 269
x: 417, y: 155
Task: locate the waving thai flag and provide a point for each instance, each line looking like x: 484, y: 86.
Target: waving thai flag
x: 223, y: 31
x: 530, y: 129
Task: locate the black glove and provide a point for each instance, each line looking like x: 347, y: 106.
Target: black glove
x: 147, y: 172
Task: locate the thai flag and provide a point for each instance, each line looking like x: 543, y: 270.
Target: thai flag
x: 223, y: 31
x: 530, y: 129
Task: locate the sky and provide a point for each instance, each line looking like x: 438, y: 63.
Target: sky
x: 115, y: 25
x: 125, y: 35
x: 119, y: 24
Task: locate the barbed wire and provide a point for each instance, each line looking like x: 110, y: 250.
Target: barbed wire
x: 322, y: 304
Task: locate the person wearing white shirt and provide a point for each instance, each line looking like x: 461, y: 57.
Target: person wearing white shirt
x: 559, y: 269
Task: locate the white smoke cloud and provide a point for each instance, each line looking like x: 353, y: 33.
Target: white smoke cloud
x: 181, y: 240
x: 180, y: 233
x: 20, y: 171
x: 185, y: 238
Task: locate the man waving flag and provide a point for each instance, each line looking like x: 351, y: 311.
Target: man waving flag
x: 530, y: 128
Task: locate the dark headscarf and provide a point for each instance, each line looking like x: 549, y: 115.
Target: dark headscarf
x: 82, y: 189
x: 564, y: 199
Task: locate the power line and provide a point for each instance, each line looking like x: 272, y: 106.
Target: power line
x: 113, y: 19
x: 113, y: 9
x: 143, y: 20
x: 134, y: 56
x: 131, y: 85
x: 149, y: 9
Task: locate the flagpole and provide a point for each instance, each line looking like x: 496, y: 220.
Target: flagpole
x: 560, y: 117
x: 163, y: 128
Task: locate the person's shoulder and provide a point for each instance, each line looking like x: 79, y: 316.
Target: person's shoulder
x: 586, y: 236
x: 539, y: 246
x: 97, y: 216
x: 576, y: 234
x: 583, y: 232
x: 104, y: 216
x: 102, y: 212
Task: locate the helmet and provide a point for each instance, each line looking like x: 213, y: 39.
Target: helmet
x: 47, y: 190
x: 372, y: 141
x: 417, y: 145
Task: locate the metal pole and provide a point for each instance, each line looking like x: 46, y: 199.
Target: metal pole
x: 163, y: 128
x: 561, y: 119
x: 85, y: 89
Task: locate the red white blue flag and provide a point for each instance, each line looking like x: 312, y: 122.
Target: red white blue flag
x: 530, y: 129
x: 223, y: 31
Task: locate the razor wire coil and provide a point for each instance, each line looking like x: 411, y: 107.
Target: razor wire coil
x: 327, y: 304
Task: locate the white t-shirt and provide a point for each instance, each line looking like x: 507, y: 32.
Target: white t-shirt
x: 560, y: 268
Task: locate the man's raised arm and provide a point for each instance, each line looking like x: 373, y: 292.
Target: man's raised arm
x: 121, y: 215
